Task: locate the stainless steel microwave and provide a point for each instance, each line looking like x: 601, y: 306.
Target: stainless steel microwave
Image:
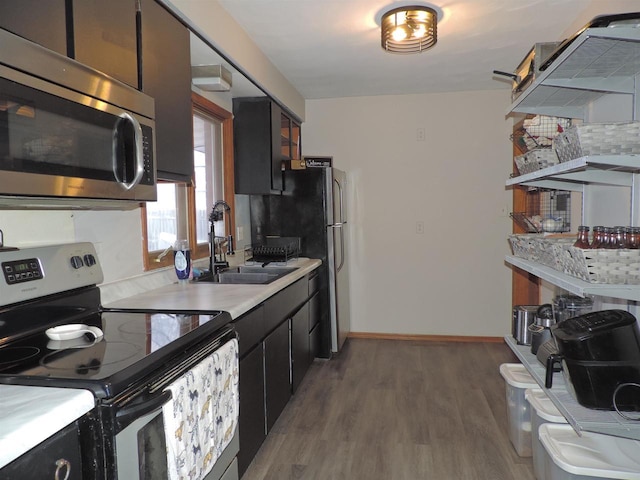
x: 70, y: 132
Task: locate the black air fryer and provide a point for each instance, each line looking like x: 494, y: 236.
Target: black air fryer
x: 599, y: 351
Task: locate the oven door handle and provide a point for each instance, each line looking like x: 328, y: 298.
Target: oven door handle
x: 125, y: 416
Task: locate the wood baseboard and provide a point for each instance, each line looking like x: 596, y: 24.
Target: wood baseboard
x: 425, y: 338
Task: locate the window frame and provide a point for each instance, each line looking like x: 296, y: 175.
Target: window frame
x: 198, y: 251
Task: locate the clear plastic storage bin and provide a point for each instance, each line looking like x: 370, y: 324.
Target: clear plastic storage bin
x: 518, y: 413
x: 591, y: 456
x: 542, y: 411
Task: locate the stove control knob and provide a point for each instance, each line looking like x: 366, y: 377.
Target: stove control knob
x: 89, y: 260
x: 76, y: 262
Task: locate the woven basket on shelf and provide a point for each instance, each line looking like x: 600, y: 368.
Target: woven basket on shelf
x: 538, y: 248
x: 535, y: 160
x: 615, y: 267
x: 598, y: 139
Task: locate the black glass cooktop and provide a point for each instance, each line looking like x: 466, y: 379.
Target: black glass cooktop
x: 133, y: 345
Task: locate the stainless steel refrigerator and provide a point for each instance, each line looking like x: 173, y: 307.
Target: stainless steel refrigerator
x: 337, y: 257
x: 313, y: 207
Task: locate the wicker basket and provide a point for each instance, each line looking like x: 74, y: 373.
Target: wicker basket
x: 615, y: 267
x: 535, y: 160
x: 522, y: 245
x: 540, y: 249
x: 598, y: 139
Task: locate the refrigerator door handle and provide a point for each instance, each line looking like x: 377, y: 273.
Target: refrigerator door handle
x: 339, y: 227
x: 342, y: 219
x: 341, y: 250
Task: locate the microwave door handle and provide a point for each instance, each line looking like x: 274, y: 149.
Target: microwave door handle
x: 138, y: 155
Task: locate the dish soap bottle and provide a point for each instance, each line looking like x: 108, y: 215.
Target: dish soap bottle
x: 182, y: 259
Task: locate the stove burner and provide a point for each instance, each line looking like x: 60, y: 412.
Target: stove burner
x: 93, y: 357
x: 13, y: 355
x: 135, y: 327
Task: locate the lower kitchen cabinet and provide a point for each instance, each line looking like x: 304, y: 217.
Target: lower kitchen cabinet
x: 252, y: 414
x: 276, y: 373
x: 58, y: 457
x: 315, y: 313
x: 299, y: 346
x: 275, y: 353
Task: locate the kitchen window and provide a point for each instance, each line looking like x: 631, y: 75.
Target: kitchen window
x: 182, y: 210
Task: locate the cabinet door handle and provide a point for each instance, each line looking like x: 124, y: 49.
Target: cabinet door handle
x: 62, y: 464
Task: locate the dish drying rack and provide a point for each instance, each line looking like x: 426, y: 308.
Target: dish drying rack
x: 278, y: 250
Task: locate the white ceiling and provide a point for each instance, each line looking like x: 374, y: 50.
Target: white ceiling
x: 331, y: 48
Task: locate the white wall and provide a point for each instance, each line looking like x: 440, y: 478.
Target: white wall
x: 117, y: 235
x: 452, y: 279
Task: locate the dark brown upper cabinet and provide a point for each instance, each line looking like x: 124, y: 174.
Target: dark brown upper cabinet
x: 41, y: 22
x: 105, y: 36
x: 166, y: 76
x: 266, y: 141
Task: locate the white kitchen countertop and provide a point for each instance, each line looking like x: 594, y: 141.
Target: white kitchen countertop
x: 30, y: 415
x: 236, y: 299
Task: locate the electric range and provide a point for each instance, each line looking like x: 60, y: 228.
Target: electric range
x: 127, y: 366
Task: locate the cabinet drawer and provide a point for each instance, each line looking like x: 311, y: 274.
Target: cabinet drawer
x: 40, y: 462
x: 250, y: 328
x: 283, y: 303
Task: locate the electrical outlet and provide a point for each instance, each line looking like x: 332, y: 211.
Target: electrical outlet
x: 420, y: 228
x: 240, y: 233
x: 420, y: 133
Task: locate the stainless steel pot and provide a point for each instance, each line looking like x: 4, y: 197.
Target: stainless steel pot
x: 523, y: 318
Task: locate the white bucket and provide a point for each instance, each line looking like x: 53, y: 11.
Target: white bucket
x: 591, y: 456
x: 518, y: 413
x: 542, y: 411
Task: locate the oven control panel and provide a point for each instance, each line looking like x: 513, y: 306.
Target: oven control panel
x: 30, y: 273
x: 18, y: 271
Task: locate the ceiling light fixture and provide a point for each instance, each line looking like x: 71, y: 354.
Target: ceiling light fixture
x: 411, y: 29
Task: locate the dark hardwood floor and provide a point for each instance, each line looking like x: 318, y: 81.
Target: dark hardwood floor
x: 397, y: 410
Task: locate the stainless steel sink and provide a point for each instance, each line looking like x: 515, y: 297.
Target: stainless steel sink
x: 246, y: 275
x: 280, y: 271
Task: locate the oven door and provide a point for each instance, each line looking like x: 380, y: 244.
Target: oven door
x: 141, y: 451
x: 158, y: 424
